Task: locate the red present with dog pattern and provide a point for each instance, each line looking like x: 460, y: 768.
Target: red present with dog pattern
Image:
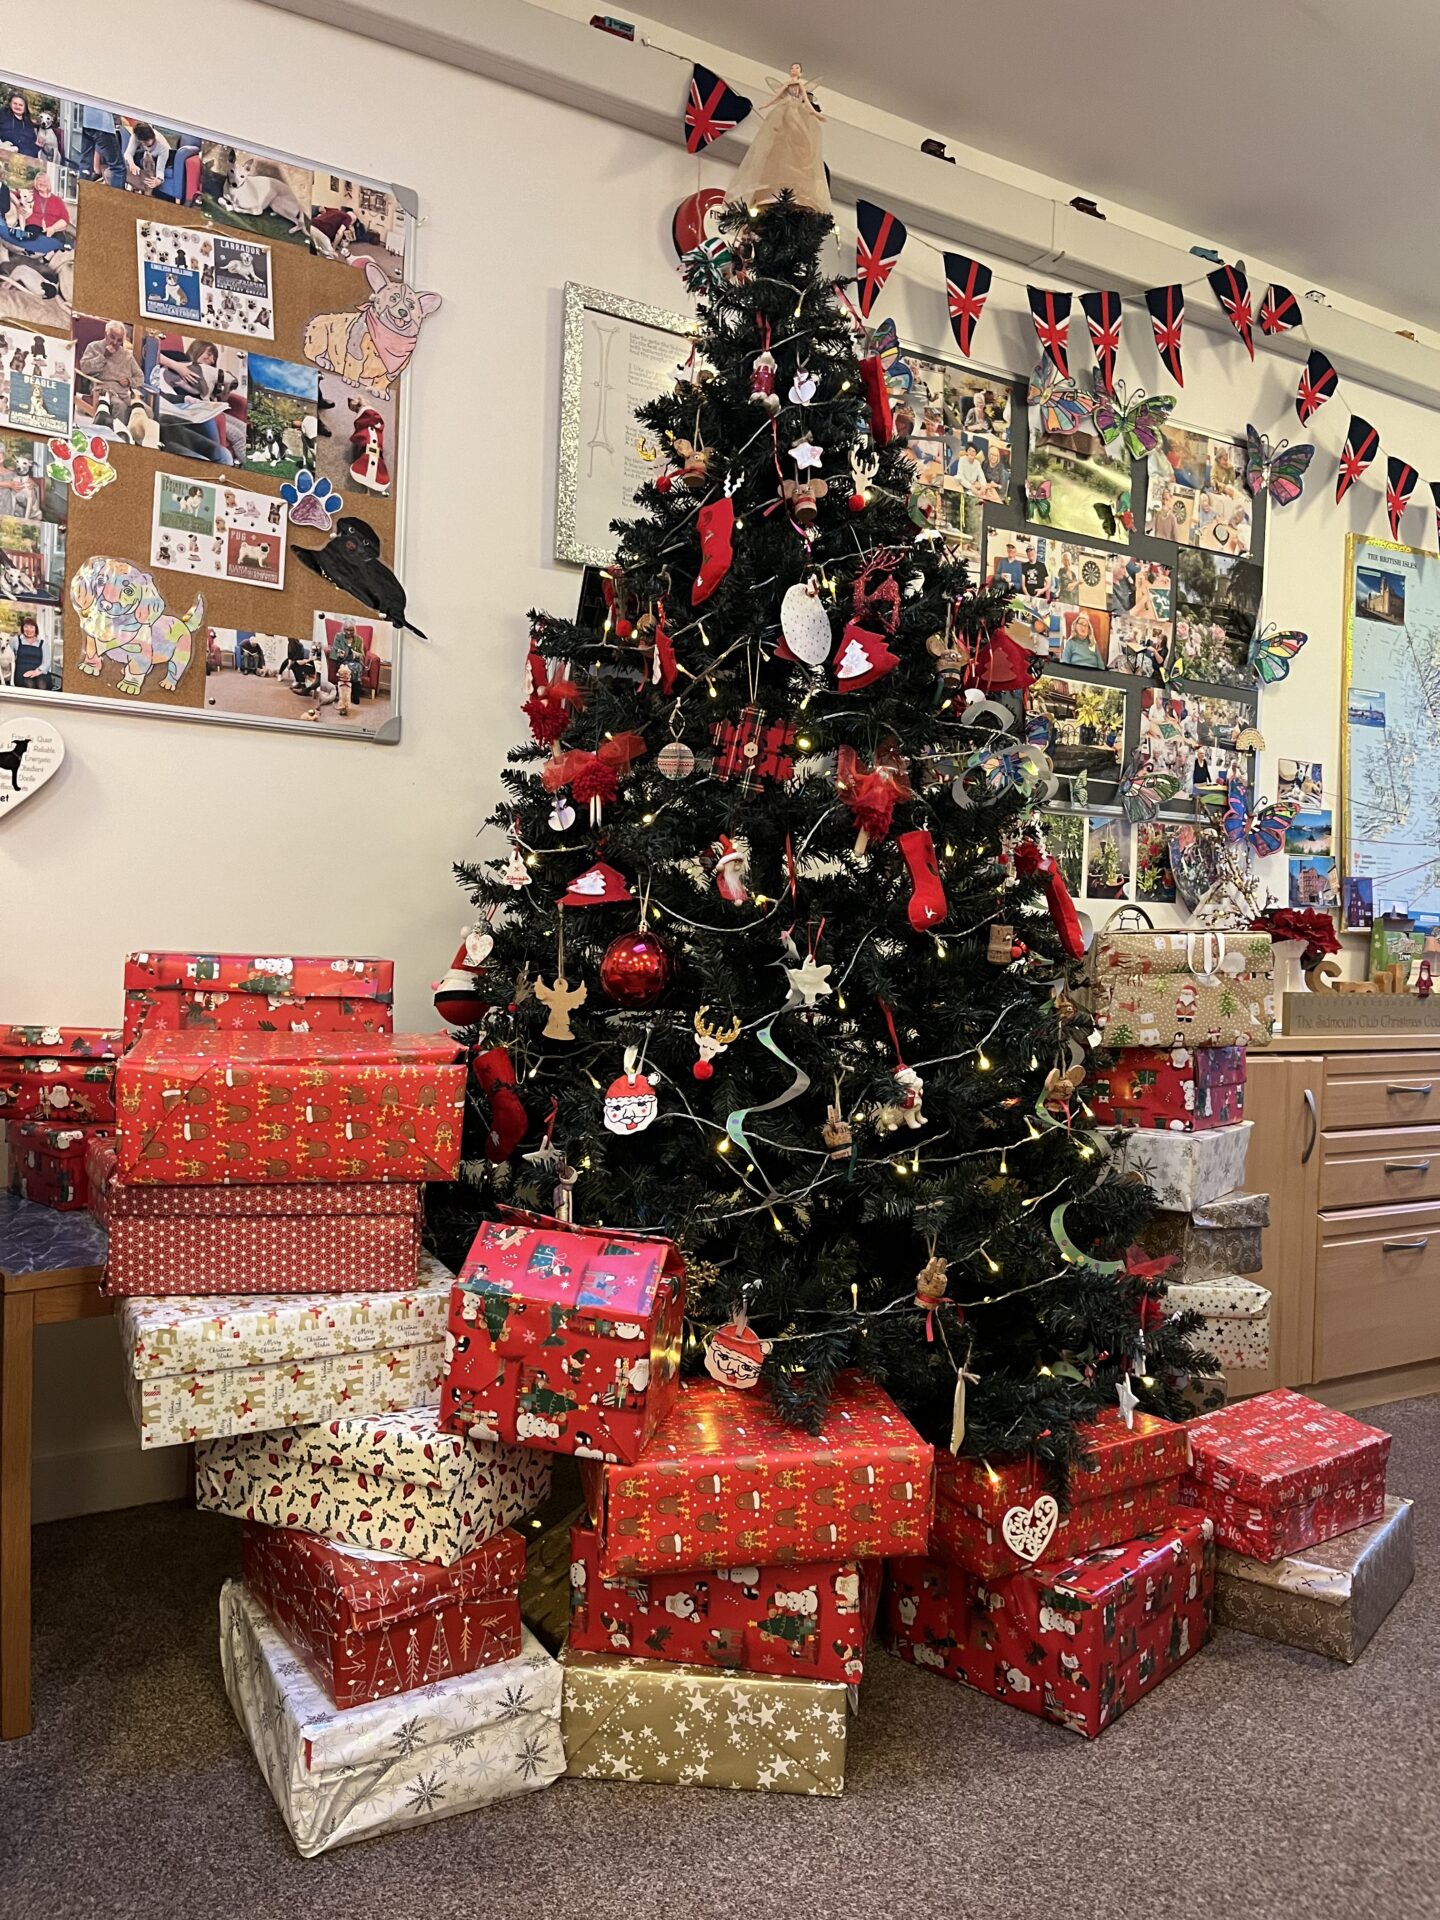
x: 998, y: 1518
x: 725, y: 1482
x: 59, y: 1090
x: 1078, y: 1642
x: 49, y: 1164
x: 233, y: 993
x: 372, y: 1624
x: 255, y: 1109
x: 811, y: 1619
x: 1281, y: 1472
x: 564, y: 1338
x: 1176, y: 1089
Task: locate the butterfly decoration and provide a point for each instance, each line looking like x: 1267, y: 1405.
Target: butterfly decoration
x: 1280, y: 469
x: 1145, y: 788
x: 1263, y: 831
x: 1117, y: 518
x: 899, y: 376
x: 1058, y: 404
x: 1037, y: 495
x: 1136, y: 421
x: 1272, y: 651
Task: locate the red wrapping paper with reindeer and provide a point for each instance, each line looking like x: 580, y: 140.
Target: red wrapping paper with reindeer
x: 1078, y: 1642
x: 255, y: 1109
x: 234, y: 993
x: 811, y: 1618
x: 1175, y: 1089
x: 725, y: 1482
x: 372, y: 1624
x: 49, y: 1164
x: 564, y: 1338
x: 998, y: 1519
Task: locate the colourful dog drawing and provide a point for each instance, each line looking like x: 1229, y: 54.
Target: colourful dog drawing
x: 122, y: 615
x: 371, y: 347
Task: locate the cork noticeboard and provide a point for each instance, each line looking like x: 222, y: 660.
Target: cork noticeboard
x: 211, y: 416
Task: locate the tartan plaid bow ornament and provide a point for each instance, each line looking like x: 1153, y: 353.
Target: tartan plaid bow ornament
x: 753, y: 748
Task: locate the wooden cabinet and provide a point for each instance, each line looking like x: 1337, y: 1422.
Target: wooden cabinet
x: 1282, y: 1098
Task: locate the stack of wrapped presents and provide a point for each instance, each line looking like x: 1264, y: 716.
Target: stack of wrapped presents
x: 1176, y: 1013
x: 57, y: 1095
x: 725, y: 1578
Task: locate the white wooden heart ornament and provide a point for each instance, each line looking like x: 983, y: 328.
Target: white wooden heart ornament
x: 31, y: 750
x: 478, y: 945
x: 805, y: 625
x: 1029, y: 1530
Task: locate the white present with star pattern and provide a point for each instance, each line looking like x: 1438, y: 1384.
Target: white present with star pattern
x: 342, y: 1775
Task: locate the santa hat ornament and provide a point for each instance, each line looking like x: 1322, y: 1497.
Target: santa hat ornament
x: 630, y: 1099
x: 598, y: 886
x: 735, y: 1353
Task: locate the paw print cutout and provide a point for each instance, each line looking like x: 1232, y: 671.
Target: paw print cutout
x: 80, y: 463
x: 312, y: 501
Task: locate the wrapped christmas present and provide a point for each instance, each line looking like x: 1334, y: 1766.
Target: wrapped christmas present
x: 1183, y: 1170
x: 1281, y: 1472
x: 1237, y: 1317
x: 564, y: 1338
x: 215, y: 1109
x: 356, y: 1236
x: 372, y: 1624
x: 390, y: 1483
x: 726, y: 1483
x: 806, y: 1619
x: 61, y: 1043
x: 1078, y: 1642
x: 1222, y: 1235
x: 57, y: 1090
x: 998, y: 1517
x: 49, y: 1164
x: 204, y: 1366
x: 1176, y: 1089
x: 545, y: 1590
x: 691, y: 1726
x: 1329, y: 1598
x: 343, y: 1774
x: 235, y: 993
x: 1149, y: 989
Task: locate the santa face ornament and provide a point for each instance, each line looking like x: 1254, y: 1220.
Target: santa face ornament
x: 734, y: 1354
x: 631, y: 1102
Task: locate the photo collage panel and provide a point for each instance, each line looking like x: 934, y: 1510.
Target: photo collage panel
x: 955, y: 425
x: 1086, y: 606
x: 32, y: 564
x: 1196, y: 493
x: 339, y: 677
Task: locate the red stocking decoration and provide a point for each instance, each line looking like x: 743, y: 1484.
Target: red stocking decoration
x: 877, y: 399
x: 495, y: 1076
x: 1029, y: 859
x: 715, y: 523
x: 927, y: 903
x: 662, y: 667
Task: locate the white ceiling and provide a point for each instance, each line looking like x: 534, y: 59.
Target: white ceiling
x: 1302, y: 131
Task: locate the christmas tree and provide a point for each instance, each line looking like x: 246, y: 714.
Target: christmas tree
x: 774, y: 961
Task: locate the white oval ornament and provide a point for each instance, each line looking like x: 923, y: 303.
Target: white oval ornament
x: 1029, y: 1530
x: 805, y: 625
x: 31, y: 750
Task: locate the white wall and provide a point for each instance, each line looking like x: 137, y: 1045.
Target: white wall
x: 163, y: 835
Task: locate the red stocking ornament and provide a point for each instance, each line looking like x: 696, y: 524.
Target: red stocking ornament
x: 715, y: 523
x: 877, y: 399
x: 494, y: 1073
x: 928, y: 906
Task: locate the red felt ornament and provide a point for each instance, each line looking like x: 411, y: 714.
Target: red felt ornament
x: 877, y: 399
x: 636, y: 969
x: 494, y: 1074
x: 1030, y: 860
x: 871, y: 793
x: 715, y: 524
x: 927, y: 906
x: 595, y: 777
x: 1002, y: 665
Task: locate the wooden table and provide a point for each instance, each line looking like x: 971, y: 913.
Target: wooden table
x: 50, y: 1266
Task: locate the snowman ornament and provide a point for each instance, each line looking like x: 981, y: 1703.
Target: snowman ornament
x: 631, y: 1103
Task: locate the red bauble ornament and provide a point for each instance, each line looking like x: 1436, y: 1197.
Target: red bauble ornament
x: 704, y: 1069
x: 857, y: 503
x: 637, y: 969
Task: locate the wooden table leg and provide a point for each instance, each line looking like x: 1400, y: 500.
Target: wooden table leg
x: 17, y: 1353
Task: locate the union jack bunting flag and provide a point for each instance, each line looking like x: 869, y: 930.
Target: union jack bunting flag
x: 1399, y: 485
x: 878, y: 239
x: 1279, y: 310
x: 753, y: 748
x: 1102, y: 316
x: 1362, y: 443
x: 711, y: 108
x: 1051, y: 313
x: 967, y: 283
x: 1167, y: 317
x: 1317, y: 383
x: 1232, y: 290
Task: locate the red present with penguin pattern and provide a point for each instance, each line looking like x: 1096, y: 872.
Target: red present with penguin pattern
x: 1078, y: 1642
x: 256, y: 1109
x: 564, y: 1338
x: 372, y: 1624
x: 1281, y: 1472
x: 233, y: 993
x: 49, y: 1164
x: 998, y: 1519
x: 811, y: 1619
x: 1177, y: 1089
x: 725, y: 1482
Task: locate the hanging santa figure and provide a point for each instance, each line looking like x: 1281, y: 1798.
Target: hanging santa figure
x: 631, y: 1102
x: 368, y: 467
x: 735, y: 1353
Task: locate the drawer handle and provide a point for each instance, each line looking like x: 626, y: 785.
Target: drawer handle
x: 1407, y: 1246
x: 1407, y: 1166
x: 1425, y: 1089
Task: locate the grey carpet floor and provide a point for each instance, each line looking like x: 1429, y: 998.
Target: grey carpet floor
x: 1257, y: 1781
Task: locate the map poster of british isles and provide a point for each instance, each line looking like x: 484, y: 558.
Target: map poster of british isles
x: 192, y: 276
x: 220, y: 532
x: 1392, y: 726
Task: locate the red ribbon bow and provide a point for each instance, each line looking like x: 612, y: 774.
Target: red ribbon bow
x: 871, y: 792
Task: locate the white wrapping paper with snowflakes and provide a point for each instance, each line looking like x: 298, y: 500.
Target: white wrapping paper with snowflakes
x: 1183, y: 1170
x: 347, y: 1775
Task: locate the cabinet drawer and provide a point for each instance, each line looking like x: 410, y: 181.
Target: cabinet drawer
x: 1382, y: 1090
x: 1379, y: 1166
x: 1377, y: 1290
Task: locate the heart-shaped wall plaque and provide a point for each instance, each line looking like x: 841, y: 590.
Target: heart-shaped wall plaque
x: 31, y: 750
